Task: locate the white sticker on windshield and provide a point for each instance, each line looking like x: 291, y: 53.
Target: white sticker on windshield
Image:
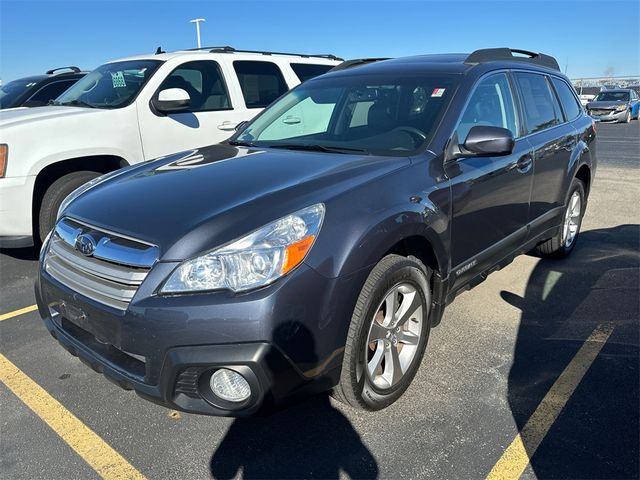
x: 437, y: 92
x: 117, y: 79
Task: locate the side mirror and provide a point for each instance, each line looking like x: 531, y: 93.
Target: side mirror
x: 172, y: 100
x: 485, y: 141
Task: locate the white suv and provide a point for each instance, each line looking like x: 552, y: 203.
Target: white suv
x: 128, y: 111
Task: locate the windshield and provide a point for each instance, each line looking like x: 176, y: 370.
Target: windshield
x: 377, y: 114
x: 612, y: 97
x: 10, y: 92
x: 111, y: 85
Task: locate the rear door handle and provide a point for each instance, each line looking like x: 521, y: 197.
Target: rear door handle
x: 524, y: 163
x: 227, y: 126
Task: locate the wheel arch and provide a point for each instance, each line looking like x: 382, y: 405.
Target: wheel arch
x: 54, y: 171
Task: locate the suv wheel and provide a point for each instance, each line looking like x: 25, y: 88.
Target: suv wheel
x: 54, y: 196
x: 563, y: 243
x: 388, y: 334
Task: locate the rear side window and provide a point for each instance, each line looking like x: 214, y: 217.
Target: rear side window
x: 204, y: 83
x: 491, y: 104
x: 306, y: 71
x: 49, y: 92
x: 540, y: 111
x: 567, y: 99
x: 261, y: 82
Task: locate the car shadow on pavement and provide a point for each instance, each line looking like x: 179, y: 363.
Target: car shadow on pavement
x: 596, y: 433
x: 309, y: 439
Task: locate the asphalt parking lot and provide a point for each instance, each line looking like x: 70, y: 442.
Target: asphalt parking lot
x: 536, y: 371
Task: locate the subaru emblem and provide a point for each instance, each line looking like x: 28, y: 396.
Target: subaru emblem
x: 85, y: 244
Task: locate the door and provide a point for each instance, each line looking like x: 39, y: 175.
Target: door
x: 490, y: 195
x: 553, y: 141
x: 210, y: 119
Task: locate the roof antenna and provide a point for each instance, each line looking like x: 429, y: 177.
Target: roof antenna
x: 159, y: 51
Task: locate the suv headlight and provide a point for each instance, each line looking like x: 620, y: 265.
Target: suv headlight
x: 254, y: 260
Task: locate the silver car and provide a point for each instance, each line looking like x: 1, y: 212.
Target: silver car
x: 620, y: 105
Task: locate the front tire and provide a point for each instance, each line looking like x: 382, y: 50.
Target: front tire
x: 563, y: 243
x: 55, y: 194
x: 388, y: 334
x: 627, y: 118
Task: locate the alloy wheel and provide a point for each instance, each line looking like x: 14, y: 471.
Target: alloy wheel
x: 572, y: 219
x: 394, y: 336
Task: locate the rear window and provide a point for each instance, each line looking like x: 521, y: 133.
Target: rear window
x: 540, y: 111
x: 306, y: 71
x: 567, y: 99
x: 261, y: 82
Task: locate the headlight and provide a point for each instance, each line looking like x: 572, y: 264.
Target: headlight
x: 621, y: 108
x: 83, y: 188
x: 4, y: 153
x: 254, y: 260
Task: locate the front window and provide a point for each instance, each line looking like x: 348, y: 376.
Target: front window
x: 612, y: 97
x: 111, y: 85
x: 381, y: 115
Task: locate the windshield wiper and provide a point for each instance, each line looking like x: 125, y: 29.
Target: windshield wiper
x: 318, y: 148
x: 73, y: 103
x: 238, y: 143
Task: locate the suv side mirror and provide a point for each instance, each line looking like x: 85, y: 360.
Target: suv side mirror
x: 172, y: 100
x: 486, y: 141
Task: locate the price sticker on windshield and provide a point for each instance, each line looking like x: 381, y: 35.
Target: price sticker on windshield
x: 117, y: 79
x: 437, y: 92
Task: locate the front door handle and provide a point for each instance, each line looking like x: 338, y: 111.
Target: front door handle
x: 524, y: 163
x: 227, y: 126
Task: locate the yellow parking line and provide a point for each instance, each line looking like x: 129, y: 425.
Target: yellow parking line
x: 108, y: 463
x: 22, y: 311
x: 516, y: 457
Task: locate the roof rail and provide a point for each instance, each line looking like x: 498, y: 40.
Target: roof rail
x: 53, y: 70
x: 228, y: 49
x: 493, y: 54
x: 206, y: 48
x: 356, y: 62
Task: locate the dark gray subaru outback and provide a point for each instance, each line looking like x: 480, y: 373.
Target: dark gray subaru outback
x: 315, y: 250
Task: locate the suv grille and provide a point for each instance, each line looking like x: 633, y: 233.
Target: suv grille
x: 110, y: 272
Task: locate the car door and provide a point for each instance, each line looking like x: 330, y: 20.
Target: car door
x: 553, y: 140
x: 490, y: 195
x: 210, y: 119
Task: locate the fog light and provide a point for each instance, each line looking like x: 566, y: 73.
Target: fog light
x: 229, y: 385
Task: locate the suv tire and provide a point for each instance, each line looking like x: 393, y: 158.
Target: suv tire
x: 562, y: 244
x: 383, y: 351
x: 54, y: 196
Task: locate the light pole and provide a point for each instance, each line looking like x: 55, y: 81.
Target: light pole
x: 197, y: 22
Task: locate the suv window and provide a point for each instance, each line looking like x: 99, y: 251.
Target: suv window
x: 567, y: 99
x: 49, y: 92
x: 306, y: 71
x: 261, y: 82
x: 491, y: 104
x: 203, y: 81
x: 538, y: 102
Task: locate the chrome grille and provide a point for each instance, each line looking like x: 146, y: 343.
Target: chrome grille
x: 111, y: 275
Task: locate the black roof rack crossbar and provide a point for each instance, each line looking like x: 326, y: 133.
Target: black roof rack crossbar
x: 53, y: 70
x: 228, y: 49
x: 493, y: 54
x: 356, y: 62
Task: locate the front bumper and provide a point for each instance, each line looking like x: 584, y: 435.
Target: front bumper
x: 610, y: 117
x: 16, y: 195
x: 285, y: 341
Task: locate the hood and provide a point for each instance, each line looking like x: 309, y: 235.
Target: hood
x: 17, y: 116
x: 200, y: 199
x: 606, y: 105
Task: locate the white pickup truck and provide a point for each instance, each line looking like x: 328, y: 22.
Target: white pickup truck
x: 128, y: 111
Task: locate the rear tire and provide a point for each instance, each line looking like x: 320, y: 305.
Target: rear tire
x: 388, y: 334
x: 562, y: 244
x: 55, y: 194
